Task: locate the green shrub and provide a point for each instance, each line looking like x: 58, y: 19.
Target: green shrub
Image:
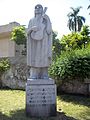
x: 4, y: 65
x: 19, y: 35
x: 71, y: 65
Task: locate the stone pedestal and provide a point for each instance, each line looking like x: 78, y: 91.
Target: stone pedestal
x: 40, y: 98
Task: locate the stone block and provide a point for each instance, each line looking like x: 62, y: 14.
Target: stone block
x: 40, y: 98
x: 40, y: 81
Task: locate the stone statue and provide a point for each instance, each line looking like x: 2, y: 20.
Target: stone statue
x: 39, y: 44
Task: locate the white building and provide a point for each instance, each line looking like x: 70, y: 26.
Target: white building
x: 7, y: 47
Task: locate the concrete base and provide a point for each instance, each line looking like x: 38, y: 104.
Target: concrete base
x: 40, y: 98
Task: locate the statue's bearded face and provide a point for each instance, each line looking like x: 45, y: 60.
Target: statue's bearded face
x: 38, y: 9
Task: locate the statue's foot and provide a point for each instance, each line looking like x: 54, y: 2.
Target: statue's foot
x: 32, y: 77
x: 45, y: 77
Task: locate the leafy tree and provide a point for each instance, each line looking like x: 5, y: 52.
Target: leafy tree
x: 86, y: 35
x: 75, y: 22
x: 19, y: 35
x: 71, y: 41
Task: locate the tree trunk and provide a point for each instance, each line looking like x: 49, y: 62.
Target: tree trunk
x: 75, y: 24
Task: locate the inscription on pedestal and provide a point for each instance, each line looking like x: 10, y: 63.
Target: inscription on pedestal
x: 40, y: 95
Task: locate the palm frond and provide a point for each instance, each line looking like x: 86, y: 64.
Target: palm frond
x: 82, y: 18
x: 72, y: 8
x: 70, y: 14
x: 88, y: 7
x: 79, y: 7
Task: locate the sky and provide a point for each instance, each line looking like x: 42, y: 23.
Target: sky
x: 22, y: 11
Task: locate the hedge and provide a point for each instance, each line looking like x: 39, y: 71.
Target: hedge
x: 71, y: 65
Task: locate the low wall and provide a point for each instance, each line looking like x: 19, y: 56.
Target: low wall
x: 16, y: 76
x: 74, y: 87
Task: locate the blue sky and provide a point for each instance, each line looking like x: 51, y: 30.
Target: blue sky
x: 22, y: 10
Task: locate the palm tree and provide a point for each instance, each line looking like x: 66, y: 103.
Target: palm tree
x: 75, y: 21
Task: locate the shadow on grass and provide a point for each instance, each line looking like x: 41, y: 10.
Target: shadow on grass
x: 8, y: 89
x: 20, y: 115
x: 76, y: 99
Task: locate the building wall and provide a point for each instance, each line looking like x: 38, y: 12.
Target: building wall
x: 11, y: 48
x: 8, y: 27
x: 7, y: 47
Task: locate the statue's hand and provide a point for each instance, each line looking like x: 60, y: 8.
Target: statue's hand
x: 45, y: 17
x: 34, y: 28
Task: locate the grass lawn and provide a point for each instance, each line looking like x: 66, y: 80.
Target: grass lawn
x: 69, y: 107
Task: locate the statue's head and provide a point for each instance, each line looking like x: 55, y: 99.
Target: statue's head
x: 38, y: 9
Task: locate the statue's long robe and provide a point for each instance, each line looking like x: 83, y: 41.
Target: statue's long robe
x: 39, y: 52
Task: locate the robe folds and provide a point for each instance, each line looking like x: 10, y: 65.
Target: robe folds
x: 39, y: 51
